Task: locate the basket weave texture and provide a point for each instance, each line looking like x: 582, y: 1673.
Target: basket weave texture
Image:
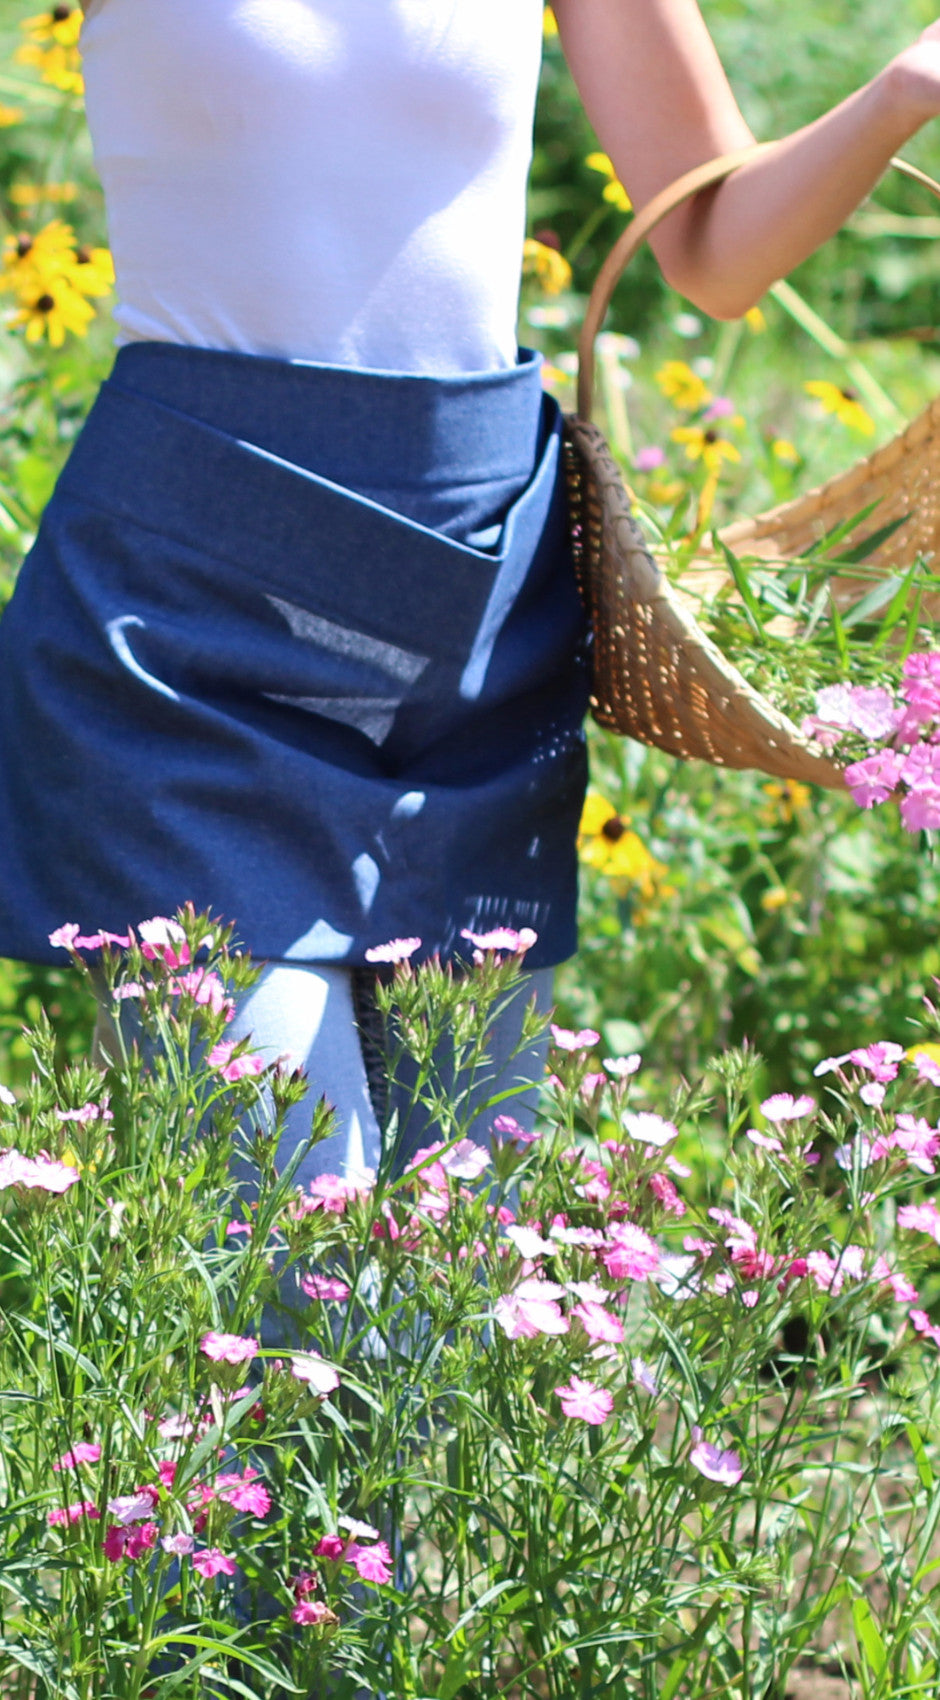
x: 657, y: 676
x: 903, y: 477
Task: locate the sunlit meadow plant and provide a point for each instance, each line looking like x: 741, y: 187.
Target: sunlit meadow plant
x: 522, y: 1419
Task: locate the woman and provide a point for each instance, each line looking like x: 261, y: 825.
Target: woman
x: 299, y: 640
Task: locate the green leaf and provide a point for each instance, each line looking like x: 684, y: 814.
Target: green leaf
x: 868, y: 1635
x: 921, y: 1459
x: 681, y: 1664
x: 739, y: 573
x: 462, y: 1664
x: 866, y: 546
x: 35, y: 476
x: 196, y: 1173
x: 873, y: 601
x: 245, y: 1655
x: 897, y: 605
x: 827, y: 547
x: 838, y: 632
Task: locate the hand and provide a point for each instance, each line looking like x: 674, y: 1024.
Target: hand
x: 914, y: 80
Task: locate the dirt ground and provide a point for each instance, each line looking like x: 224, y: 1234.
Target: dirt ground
x: 813, y: 1685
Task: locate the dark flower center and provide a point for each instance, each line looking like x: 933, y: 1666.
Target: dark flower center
x: 613, y: 829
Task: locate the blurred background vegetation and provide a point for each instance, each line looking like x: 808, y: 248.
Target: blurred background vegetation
x: 716, y: 907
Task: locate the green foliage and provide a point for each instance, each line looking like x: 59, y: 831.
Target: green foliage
x: 622, y: 1445
x: 785, y: 69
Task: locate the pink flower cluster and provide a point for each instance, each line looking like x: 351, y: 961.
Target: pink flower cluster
x: 70, y: 937
x: 35, y: 1174
x: 164, y: 940
x: 228, y: 1348
x: 510, y: 941
x: 206, y: 990
x: 233, y: 1061
x: 372, y: 1562
x: 309, y: 1612
x: 134, y: 1527
x: 333, y: 1194
x: 908, y: 761
x: 745, y: 1265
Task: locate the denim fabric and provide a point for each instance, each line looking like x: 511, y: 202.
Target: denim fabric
x: 301, y: 645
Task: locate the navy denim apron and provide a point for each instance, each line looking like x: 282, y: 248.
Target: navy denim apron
x: 302, y: 645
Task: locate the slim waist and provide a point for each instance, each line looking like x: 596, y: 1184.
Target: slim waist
x: 448, y: 452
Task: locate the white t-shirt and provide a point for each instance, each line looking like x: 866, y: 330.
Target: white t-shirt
x: 328, y: 180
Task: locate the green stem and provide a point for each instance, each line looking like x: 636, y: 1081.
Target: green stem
x: 827, y: 339
x: 592, y: 223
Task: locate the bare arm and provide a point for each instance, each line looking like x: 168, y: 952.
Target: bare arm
x: 660, y: 102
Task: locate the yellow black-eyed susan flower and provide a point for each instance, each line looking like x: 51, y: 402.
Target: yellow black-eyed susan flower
x: 52, y: 278
x: 614, y: 190
x: 683, y: 387
x: 607, y: 841
x: 546, y: 265
x: 51, y: 47
x: 57, y: 310
x: 844, y: 403
x: 786, y: 800
x: 784, y: 451
x: 704, y: 443
x: 28, y: 195
x: 775, y: 898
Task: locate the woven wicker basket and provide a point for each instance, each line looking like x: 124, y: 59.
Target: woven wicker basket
x: 657, y: 676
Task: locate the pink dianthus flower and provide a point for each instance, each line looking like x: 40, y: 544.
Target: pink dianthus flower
x: 212, y: 1562
x: 307, y: 1612
x: 502, y: 938
x: 531, y: 1309
x: 396, y: 950
x: 244, y: 1492
x: 584, y: 1401
x: 646, y: 1128
x: 85, y: 1452
x: 234, y: 1067
x: 566, y: 1040
x: 921, y: 1219
x: 164, y: 939
x: 873, y: 780
x: 325, y: 1287
x: 63, y: 1515
x: 723, y: 1467
x: 630, y: 1255
x: 228, y: 1348
x: 783, y: 1107
x: 598, y: 1324
x: 35, y: 1174
x: 920, y: 809
x: 372, y: 1563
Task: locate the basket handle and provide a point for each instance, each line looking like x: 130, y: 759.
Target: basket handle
x: 642, y: 226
